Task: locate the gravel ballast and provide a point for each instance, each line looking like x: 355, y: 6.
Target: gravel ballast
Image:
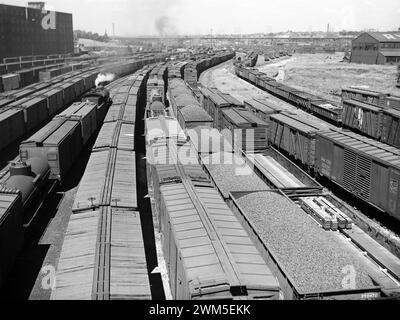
x: 316, y: 260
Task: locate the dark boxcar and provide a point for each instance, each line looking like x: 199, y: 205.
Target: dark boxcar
x: 368, y: 169
x: 248, y: 132
x: 365, y: 95
x: 12, y: 126
x: 327, y: 110
x: 11, y: 230
x: 391, y: 127
x: 35, y: 112
x: 54, y: 100
x: 392, y: 102
x: 363, y: 117
x: 59, y: 143
x: 85, y: 113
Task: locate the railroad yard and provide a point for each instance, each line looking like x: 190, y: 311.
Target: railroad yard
x: 201, y: 172
x: 125, y: 188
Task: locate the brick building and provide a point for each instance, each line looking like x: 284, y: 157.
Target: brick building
x: 26, y: 31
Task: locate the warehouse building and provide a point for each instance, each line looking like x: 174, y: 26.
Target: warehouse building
x: 376, y: 48
x: 34, y: 31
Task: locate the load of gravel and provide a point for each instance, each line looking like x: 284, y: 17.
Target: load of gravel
x: 314, y: 259
x: 231, y: 173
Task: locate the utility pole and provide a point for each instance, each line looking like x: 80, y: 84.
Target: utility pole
x: 211, y: 39
x: 113, y: 25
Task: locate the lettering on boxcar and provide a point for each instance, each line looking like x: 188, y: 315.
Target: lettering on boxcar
x: 393, y: 185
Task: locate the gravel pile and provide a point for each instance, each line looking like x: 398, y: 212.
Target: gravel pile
x: 315, y: 260
x: 231, y: 173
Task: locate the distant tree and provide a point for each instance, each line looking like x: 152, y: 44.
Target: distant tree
x: 90, y: 35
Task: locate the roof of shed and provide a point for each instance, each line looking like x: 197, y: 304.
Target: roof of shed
x: 385, y: 36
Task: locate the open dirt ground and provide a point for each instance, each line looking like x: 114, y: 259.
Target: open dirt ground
x: 325, y: 75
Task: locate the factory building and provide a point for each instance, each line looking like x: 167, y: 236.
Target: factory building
x: 376, y: 48
x: 27, y: 31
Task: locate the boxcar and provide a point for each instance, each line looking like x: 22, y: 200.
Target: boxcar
x: 362, y: 166
x: 391, y: 127
x: 249, y: 132
x: 193, y: 115
x: 327, y: 110
x: 11, y: 230
x: 293, y: 136
x: 370, y: 96
x: 59, y: 143
x: 12, y: 126
x: 86, y: 114
x: 363, y: 117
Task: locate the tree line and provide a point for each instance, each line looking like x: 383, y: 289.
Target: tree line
x: 78, y: 34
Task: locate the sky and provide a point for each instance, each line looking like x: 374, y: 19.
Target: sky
x: 180, y: 17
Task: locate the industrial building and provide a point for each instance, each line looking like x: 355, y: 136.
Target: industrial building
x: 28, y: 31
x: 376, y: 48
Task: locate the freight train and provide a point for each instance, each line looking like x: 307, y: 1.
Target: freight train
x: 190, y: 178
x: 371, y: 113
x: 105, y: 211
x: 208, y: 253
x: 356, y: 163
x: 24, y: 110
x: 193, y: 69
x: 47, y: 155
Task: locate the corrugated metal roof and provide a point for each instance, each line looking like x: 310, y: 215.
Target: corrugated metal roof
x: 109, y: 179
x: 79, y: 249
x: 369, y: 147
x: 385, y: 36
x: 92, y: 182
x: 128, y: 271
x: 106, y: 135
x: 123, y: 186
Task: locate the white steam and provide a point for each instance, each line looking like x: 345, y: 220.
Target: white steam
x: 101, y: 77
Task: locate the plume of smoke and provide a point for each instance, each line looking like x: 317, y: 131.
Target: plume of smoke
x: 102, y: 77
x: 165, y: 26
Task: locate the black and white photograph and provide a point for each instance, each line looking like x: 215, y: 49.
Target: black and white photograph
x: 200, y: 158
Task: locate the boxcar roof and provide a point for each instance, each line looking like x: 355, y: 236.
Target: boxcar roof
x: 366, y: 146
